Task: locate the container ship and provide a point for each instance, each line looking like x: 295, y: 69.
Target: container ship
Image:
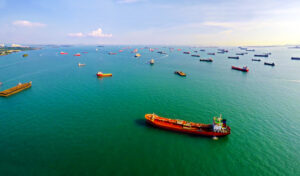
x: 270, y: 64
x: 233, y: 57
x: 243, y: 69
x: 295, y: 58
x: 15, y: 89
x: 261, y: 55
x: 207, y: 60
x: 217, y: 129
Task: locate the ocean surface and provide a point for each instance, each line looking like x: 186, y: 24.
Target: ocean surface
x: 72, y: 123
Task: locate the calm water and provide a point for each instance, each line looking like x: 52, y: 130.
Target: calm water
x: 71, y: 123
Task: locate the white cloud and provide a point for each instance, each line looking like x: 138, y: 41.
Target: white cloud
x: 25, y: 23
x: 98, y: 33
x: 79, y: 34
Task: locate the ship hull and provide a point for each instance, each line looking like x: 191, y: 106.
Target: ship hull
x: 188, y: 130
x: 240, y: 69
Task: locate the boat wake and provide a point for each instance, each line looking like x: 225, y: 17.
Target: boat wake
x: 297, y: 81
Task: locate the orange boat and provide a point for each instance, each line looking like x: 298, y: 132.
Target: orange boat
x: 217, y: 129
x: 18, y: 88
x: 100, y: 74
x: 180, y: 73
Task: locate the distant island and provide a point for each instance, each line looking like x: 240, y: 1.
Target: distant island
x: 5, y: 50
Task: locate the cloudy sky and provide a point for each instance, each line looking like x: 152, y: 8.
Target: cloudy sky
x: 164, y: 22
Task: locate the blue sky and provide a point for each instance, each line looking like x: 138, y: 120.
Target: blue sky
x: 165, y: 22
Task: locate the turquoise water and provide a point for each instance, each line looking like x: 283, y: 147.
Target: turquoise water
x: 72, y: 123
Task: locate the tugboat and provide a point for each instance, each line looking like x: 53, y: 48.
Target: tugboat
x: 100, y: 74
x: 180, y: 73
x: 207, y: 60
x: 151, y: 61
x: 244, y: 69
x: 16, y: 89
x: 270, y: 64
x: 195, y: 55
x: 217, y: 129
x: 233, y: 57
x: 258, y: 60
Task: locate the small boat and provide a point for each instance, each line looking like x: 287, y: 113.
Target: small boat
x: 195, y: 51
x: 80, y: 65
x: 258, y: 60
x: 161, y: 52
x: 178, y: 49
x: 63, y: 53
x: 207, y: 60
x: 295, y: 58
x: 202, y: 50
x: 151, y: 49
x: 269, y: 63
x: 77, y: 54
x: 120, y: 51
x: 195, y: 55
x: 244, y: 69
x: 217, y: 129
x: 137, y: 55
x: 233, y: 57
x: 111, y: 53
x: 221, y: 52
x: 135, y: 51
x: 25, y: 55
x: 180, y: 73
x: 240, y: 54
x: 151, y: 61
x: 186, y: 52
x: 250, y: 49
x: 211, y: 53
x: 16, y: 89
x: 100, y: 74
x: 242, y: 48
x: 96, y: 49
x: 261, y: 55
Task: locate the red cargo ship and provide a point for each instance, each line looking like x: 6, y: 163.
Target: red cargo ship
x: 62, y: 53
x: 244, y: 69
x: 217, y: 129
x: 77, y: 54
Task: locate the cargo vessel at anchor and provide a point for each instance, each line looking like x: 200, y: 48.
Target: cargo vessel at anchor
x: 16, y: 89
x: 217, y: 129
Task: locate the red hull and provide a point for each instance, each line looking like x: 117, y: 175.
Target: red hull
x: 240, y: 69
x: 169, y: 124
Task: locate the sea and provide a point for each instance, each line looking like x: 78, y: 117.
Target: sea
x: 72, y: 123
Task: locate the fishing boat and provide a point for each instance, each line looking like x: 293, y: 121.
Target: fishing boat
x: 100, y: 74
x: 217, y: 129
x: 151, y: 61
x: 180, y: 73
x: 80, y: 65
x: 261, y: 55
x: 111, y: 53
x: 186, y: 52
x: 195, y: 55
x: 137, y: 55
x: 211, y: 53
x: 16, y: 89
x: 243, y: 69
x: 295, y: 58
x: 233, y: 57
x: 258, y: 60
x: 207, y: 60
x: 269, y: 63
x: 77, y: 54
x: 63, y: 53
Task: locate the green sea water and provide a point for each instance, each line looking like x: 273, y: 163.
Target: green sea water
x: 72, y: 123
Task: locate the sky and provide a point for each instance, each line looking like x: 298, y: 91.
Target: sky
x: 151, y: 22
